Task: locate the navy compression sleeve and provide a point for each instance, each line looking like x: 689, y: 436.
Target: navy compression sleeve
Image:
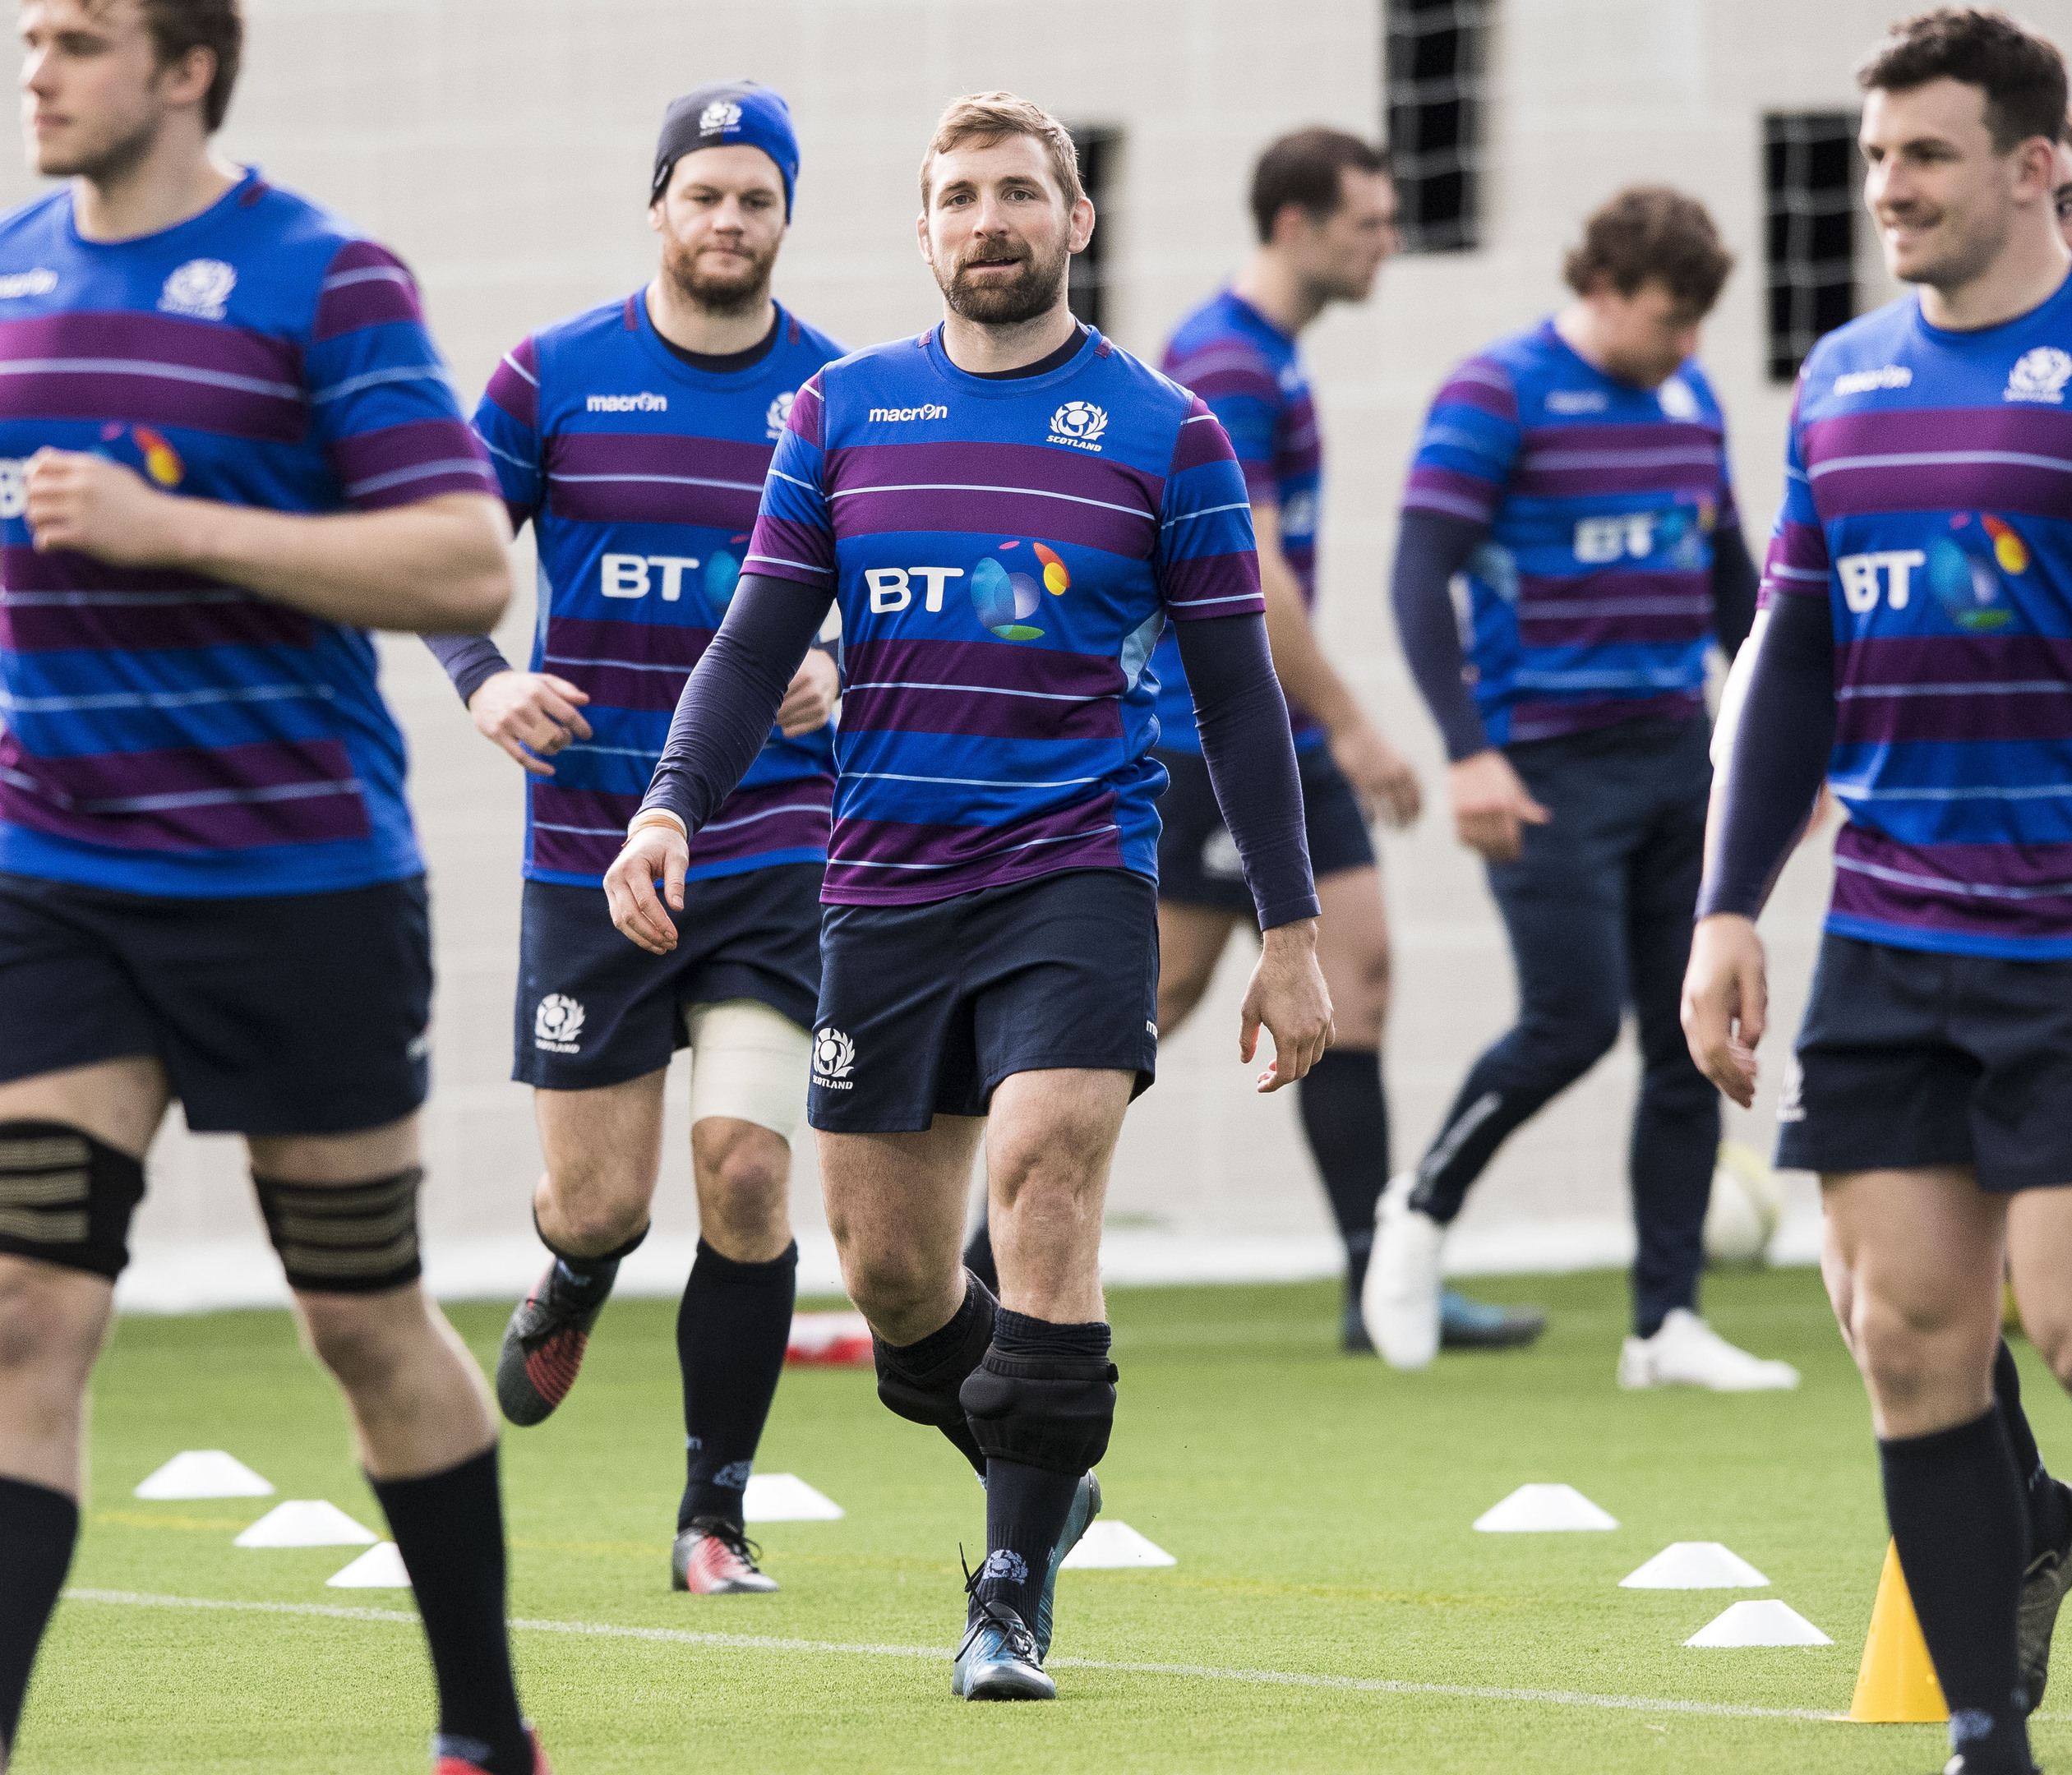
x: 469, y: 660
x: 732, y: 696
x: 1243, y: 720
x: 1780, y: 754
x: 1429, y: 551
x: 1733, y: 589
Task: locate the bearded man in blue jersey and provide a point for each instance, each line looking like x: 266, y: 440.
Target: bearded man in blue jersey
x: 242, y: 452
x: 1009, y: 509
x: 1913, y: 654
x: 1574, y: 476
x: 634, y: 437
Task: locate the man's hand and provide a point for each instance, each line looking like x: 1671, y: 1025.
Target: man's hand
x: 1380, y: 775
x: 1288, y: 995
x: 1726, y: 1002
x: 516, y: 710
x: 96, y: 507
x: 809, y: 701
x: 1489, y: 804
x: 657, y: 850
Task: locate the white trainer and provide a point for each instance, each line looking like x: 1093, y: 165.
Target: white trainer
x: 1401, y: 1300
x: 1687, y: 1351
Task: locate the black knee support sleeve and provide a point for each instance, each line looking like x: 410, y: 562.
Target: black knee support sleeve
x: 66, y: 1197
x: 928, y: 1394
x: 1053, y: 1412
x: 345, y: 1238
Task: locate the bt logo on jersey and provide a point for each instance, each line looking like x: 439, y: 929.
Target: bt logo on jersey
x: 1883, y: 572
x: 1609, y: 539
x: 626, y: 576
x: 892, y: 587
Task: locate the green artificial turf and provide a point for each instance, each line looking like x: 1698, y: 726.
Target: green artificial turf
x: 1319, y: 1507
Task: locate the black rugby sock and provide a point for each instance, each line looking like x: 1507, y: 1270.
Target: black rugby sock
x: 1345, y: 1116
x: 732, y: 1330
x: 1026, y: 1507
x: 449, y: 1527
x: 584, y: 1284
x: 2050, y: 1518
x: 1956, y: 1506
x: 38, y: 1527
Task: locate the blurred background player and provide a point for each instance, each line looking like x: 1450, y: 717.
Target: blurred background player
x: 641, y: 503
x: 1911, y: 655
x: 989, y: 951
x: 1576, y: 474
x: 242, y: 452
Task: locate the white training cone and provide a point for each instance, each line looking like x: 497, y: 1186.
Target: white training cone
x: 1114, y: 1547
x: 1543, y: 1509
x: 379, y: 1567
x: 1696, y: 1566
x: 1767, y: 1623
x: 204, y: 1473
x: 785, y: 1497
x: 305, y: 1522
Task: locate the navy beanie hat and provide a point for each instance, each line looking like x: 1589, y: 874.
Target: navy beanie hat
x: 726, y: 114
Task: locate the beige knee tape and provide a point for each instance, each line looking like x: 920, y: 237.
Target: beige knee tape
x: 750, y: 1062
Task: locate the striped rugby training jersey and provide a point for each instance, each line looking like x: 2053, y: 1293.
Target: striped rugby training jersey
x: 164, y: 733
x: 1005, y: 554
x: 641, y: 475
x: 1590, y: 603
x: 1928, y: 498
x: 1251, y: 375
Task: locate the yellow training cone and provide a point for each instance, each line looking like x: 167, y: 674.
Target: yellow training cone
x: 1897, y: 1683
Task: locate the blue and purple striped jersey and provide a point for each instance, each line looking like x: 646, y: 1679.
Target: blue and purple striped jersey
x: 1251, y: 375
x: 1005, y: 554
x: 165, y: 734
x: 641, y: 474
x: 1590, y: 603
x: 1928, y: 498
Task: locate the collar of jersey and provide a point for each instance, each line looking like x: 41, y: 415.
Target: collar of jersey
x: 1962, y: 336
x: 1551, y: 335
x: 988, y: 388
x: 1246, y: 311
x: 194, y: 224
x: 707, y: 381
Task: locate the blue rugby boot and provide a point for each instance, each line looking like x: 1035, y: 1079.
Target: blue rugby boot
x: 1086, y: 1505
x: 999, y: 1660
x: 1466, y: 1324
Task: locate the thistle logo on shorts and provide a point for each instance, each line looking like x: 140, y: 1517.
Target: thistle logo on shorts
x: 834, y: 1059
x: 1791, y: 1101
x: 1080, y: 424
x: 557, y: 1024
x: 200, y: 287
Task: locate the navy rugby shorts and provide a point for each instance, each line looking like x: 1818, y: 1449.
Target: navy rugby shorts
x: 594, y: 1008
x: 290, y: 1014
x: 1910, y: 1058
x: 1197, y: 857
x: 925, y: 1009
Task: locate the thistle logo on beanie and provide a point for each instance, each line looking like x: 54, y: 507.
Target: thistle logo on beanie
x: 727, y: 114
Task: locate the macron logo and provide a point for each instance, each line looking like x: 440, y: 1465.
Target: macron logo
x: 1890, y: 375
x: 628, y: 404
x: 878, y: 414
x: 17, y: 285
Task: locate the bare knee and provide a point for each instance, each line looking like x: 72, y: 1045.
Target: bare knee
x: 744, y: 1188
x: 364, y: 1339
x: 52, y: 1323
x: 1924, y: 1364
x: 586, y: 1211
x: 1359, y: 996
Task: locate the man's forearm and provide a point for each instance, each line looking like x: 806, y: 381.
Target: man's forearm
x: 1307, y: 680
x: 471, y: 660
x: 436, y: 567
x: 1429, y: 551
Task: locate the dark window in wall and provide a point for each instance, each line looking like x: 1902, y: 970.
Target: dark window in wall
x: 1810, y: 178
x: 1432, y: 73
x: 1100, y: 172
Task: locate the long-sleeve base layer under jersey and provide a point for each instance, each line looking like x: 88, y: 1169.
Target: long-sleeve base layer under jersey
x: 728, y: 702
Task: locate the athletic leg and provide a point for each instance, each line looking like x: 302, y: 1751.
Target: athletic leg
x: 1191, y: 941
x: 1918, y: 1255
x: 2039, y: 1239
x: 54, y: 1311
x: 603, y: 1152
x: 420, y: 1412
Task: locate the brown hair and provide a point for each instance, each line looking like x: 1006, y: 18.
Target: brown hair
x: 2021, y: 74
x: 1649, y: 231
x: 178, y: 26
x: 988, y: 117
x: 1306, y: 168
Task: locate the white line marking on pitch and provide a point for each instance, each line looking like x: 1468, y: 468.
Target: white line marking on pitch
x: 1216, y: 1673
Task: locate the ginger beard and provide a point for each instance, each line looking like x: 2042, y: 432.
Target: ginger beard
x: 1003, y: 301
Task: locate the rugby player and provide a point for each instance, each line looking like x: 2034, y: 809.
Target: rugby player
x: 635, y: 437
x: 231, y: 450
x: 1324, y: 207
x: 1914, y: 655
x: 1576, y: 473
x: 1009, y: 509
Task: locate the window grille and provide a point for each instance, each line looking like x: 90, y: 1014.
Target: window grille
x: 1432, y: 76
x: 1810, y: 179
x: 1093, y: 270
